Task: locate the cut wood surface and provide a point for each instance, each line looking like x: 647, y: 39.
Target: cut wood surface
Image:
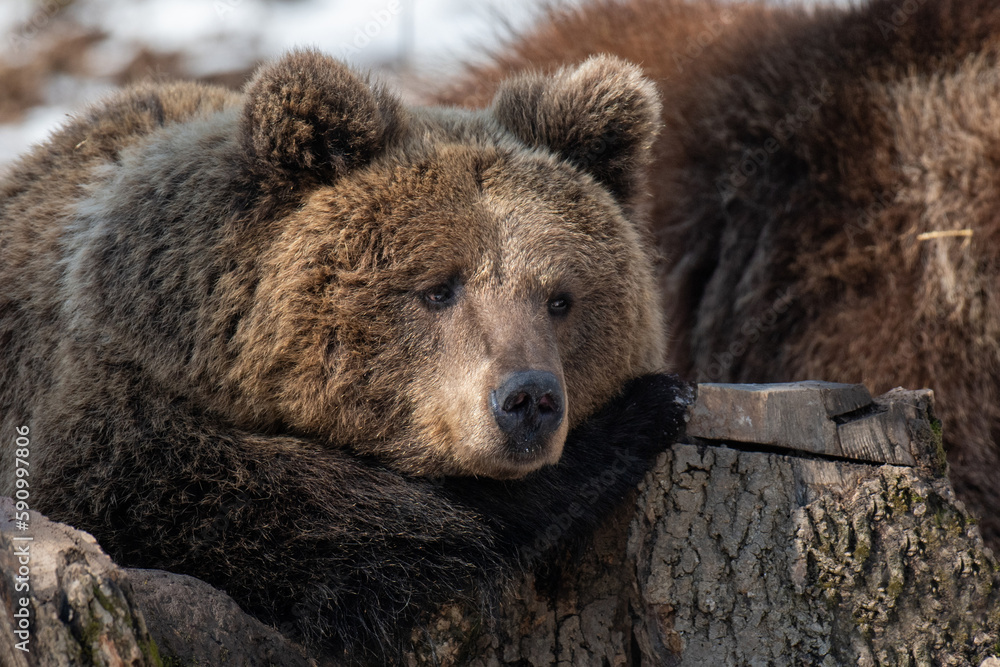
x: 836, y: 420
x: 798, y: 524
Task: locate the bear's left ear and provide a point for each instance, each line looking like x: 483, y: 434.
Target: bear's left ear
x: 308, y: 118
x: 601, y: 116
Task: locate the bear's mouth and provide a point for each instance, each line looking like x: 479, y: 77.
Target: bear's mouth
x: 526, y: 454
x: 512, y: 460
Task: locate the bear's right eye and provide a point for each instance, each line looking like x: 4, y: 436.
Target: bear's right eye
x: 440, y: 296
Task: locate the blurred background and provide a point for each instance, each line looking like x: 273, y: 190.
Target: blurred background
x: 56, y: 56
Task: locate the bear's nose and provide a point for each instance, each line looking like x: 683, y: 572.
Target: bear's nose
x: 528, y: 407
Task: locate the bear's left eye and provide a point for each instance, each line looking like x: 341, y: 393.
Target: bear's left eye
x: 559, y: 304
x: 441, y: 296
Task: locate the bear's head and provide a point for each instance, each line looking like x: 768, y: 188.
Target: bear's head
x: 449, y: 290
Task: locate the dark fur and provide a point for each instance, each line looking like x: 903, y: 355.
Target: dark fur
x: 339, y: 550
x: 213, y: 320
x: 812, y: 266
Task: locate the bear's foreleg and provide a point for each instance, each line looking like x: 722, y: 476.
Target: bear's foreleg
x: 340, y: 552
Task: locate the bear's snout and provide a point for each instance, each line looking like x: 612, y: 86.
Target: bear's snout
x: 528, y: 406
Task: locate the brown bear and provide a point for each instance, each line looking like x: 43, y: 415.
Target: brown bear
x: 342, y: 358
x: 826, y: 194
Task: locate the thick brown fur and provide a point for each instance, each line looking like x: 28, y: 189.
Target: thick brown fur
x: 808, y: 158
x: 249, y: 333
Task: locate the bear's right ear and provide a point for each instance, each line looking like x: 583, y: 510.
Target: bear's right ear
x: 308, y: 118
x: 601, y: 116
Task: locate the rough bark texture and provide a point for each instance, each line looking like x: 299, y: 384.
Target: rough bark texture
x: 79, y: 605
x: 771, y: 537
x: 196, y: 624
x: 746, y: 558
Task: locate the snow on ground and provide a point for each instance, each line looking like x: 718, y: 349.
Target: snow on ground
x: 216, y: 37
x: 36, y: 125
x: 222, y: 34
